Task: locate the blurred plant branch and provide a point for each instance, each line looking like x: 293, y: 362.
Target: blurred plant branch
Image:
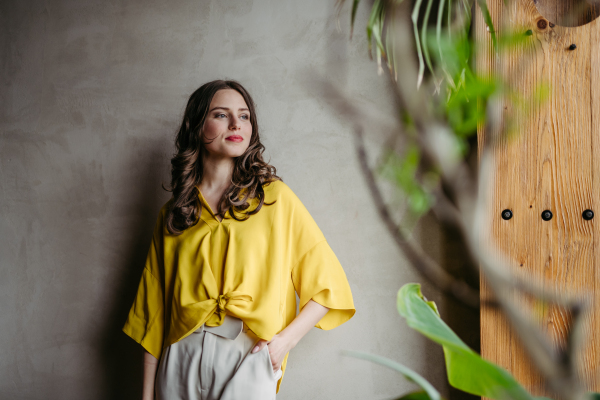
x: 433, y: 172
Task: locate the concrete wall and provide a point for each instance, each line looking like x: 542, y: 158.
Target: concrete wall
x: 91, y: 94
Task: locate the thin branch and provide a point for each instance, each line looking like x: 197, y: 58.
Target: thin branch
x: 420, y: 261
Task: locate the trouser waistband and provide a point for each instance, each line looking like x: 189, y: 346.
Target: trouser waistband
x: 230, y: 329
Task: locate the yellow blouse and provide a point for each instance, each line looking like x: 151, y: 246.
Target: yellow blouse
x: 248, y: 269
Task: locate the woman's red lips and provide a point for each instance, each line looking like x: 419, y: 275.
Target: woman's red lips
x: 234, y: 138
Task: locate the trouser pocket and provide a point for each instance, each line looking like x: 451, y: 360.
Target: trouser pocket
x: 254, y: 379
x: 276, y: 375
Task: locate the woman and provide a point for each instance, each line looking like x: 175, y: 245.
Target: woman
x: 216, y: 303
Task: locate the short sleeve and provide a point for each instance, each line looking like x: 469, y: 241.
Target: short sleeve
x: 320, y: 277
x: 145, y: 323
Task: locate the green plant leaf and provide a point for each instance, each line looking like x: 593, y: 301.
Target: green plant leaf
x: 408, y: 373
x: 375, y: 26
x: 415, y: 19
x: 424, y: 39
x: 402, y: 171
x: 488, y: 21
x: 415, y: 396
x: 353, y: 16
x: 466, y: 370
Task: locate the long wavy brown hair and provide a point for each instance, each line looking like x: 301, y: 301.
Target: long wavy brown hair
x: 250, y: 171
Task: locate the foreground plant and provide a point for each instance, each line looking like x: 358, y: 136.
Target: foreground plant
x: 466, y: 370
x: 426, y: 157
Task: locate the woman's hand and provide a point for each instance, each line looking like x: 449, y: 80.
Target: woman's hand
x: 284, y: 341
x: 278, y: 347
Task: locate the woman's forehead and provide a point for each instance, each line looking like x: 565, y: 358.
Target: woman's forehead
x: 228, y: 99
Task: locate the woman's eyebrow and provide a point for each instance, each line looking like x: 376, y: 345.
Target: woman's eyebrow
x: 225, y: 108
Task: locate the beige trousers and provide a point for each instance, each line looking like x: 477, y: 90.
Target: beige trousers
x: 216, y: 363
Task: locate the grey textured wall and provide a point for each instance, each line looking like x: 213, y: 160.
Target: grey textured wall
x: 91, y: 94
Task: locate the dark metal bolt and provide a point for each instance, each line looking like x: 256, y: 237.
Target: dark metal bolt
x: 546, y: 215
x: 551, y: 25
x: 588, y: 214
x: 506, y: 215
x: 572, y: 47
x: 542, y: 23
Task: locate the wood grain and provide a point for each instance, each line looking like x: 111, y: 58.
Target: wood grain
x: 569, y: 13
x: 545, y: 162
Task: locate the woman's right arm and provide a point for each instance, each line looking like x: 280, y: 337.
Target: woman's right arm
x: 150, y: 367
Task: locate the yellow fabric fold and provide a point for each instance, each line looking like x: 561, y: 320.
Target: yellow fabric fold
x: 210, y: 312
x: 319, y: 276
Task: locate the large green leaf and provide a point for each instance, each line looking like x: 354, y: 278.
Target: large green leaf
x: 466, y: 370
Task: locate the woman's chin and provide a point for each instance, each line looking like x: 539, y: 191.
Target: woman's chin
x: 227, y: 154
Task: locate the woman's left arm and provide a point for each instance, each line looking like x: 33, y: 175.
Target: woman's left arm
x: 287, y: 339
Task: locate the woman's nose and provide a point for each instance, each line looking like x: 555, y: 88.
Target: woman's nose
x: 235, y: 123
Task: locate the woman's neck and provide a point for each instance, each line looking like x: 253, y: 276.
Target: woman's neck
x: 216, y: 175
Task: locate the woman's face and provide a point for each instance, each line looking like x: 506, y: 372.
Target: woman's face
x: 227, y: 128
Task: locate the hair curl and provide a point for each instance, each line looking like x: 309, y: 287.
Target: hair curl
x: 250, y: 171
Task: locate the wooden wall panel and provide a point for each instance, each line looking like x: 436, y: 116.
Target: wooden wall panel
x: 569, y: 12
x: 546, y: 162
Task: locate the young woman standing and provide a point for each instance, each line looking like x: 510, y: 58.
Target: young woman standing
x: 216, y: 304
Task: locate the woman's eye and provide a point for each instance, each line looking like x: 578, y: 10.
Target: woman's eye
x: 245, y: 116
x: 221, y: 115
